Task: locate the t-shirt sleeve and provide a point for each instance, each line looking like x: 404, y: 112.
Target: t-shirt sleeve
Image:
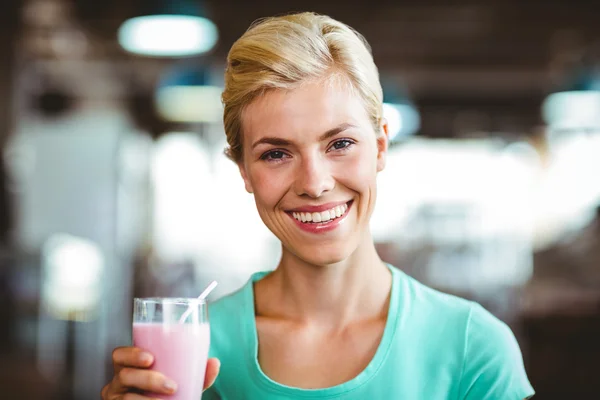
x: 493, y: 365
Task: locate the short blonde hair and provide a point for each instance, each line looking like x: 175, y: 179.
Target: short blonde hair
x: 285, y: 51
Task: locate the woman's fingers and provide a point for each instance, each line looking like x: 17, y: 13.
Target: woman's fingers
x: 145, y: 380
x: 212, y: 370
x: 131, y: 357
x: 134, y: 396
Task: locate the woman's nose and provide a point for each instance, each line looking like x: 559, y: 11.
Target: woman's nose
x: 313, y: 178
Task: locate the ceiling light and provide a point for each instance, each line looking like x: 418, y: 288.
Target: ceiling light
x: 168, y: 29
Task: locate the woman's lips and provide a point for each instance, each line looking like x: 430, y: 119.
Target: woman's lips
x: 322, y: 221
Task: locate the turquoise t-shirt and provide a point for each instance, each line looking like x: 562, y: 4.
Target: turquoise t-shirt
x: 434, y: 347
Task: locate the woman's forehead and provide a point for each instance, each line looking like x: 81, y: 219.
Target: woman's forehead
x: 309, y: 107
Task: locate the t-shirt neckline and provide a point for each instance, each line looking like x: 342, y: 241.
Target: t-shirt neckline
x: 363, y: 377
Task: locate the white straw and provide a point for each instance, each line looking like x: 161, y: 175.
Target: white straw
x: 207, y: 291
x: 202, y: 296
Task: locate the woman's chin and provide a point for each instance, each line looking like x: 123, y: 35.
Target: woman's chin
x: 318, y: 255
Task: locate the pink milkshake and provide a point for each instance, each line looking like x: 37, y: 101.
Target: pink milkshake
x: 180, y: 353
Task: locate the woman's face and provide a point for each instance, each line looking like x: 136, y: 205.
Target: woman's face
x: 311, y: 159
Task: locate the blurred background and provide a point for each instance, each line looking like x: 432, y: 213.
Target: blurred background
x: 113, y: 183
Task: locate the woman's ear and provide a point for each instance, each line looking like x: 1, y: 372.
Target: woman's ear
x: 382, y: 144
x: 244, y: 174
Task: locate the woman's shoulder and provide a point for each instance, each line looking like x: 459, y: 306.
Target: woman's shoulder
x: 235, y: 309
x: 452, y: 326
x: 231, y: 301
x: 416, y: 297
x: 425, y: 301
x: 426, y: 311
x: 229, y: 316
x: 231, y: 306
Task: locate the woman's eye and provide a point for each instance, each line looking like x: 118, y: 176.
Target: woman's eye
x: 273, y: 155
x: 341, y: 144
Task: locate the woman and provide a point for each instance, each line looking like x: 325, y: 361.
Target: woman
x: 303, y: 118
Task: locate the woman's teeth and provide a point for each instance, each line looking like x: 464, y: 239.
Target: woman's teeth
x: 323, y: 216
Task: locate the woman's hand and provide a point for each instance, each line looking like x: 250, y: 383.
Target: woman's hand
x: 132, y: 376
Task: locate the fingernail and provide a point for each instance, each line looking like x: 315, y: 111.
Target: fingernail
x: 170, y: 385
x: 145, y: 358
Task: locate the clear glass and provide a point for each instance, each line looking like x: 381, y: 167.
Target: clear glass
x: 180, y: 347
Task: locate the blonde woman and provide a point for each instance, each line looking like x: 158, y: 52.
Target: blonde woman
x: 303, y: 118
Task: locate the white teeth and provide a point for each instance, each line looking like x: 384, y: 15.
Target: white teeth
x: 323, y: 216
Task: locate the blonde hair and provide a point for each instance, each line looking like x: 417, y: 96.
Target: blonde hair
x: 285, y: 51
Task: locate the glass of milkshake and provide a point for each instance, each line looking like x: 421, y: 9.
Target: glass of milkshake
x: 177, y: 333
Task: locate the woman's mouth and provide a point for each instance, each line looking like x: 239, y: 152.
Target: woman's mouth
x: 324, y: 216
x: 321, y: 221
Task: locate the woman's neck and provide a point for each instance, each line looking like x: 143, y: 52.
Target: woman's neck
x: 355, y: 289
